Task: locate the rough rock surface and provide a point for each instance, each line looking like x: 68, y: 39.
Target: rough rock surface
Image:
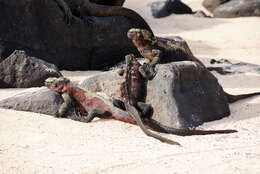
x: 238, y: 8
x: 39, y: 28
x: 22, y: 71
x: 183, y: 94
x: 44, y: 101
x: 225, y: 67
x: 39, y: 100
x: 165, y: 8
x: 233, y: 8
x: 211, y: 5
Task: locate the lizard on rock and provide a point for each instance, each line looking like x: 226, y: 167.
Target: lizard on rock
x: 159, y: 50
x: 133, y: 93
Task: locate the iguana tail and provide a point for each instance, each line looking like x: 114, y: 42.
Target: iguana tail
x: 234, y: 98
x: 157, y: 126
x: 93, y: 9
x: 134, y: 113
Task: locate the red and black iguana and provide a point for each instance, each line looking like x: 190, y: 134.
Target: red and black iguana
x: 132, y: 90
x: 159, y: 50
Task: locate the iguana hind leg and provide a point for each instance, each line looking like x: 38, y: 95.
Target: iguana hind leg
x: 96, y: 113
x: 145, y: 109
x: 64, y: 106
x: 119, y: 104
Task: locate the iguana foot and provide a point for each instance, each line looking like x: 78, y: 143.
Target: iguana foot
x: 146, y: 109
x: 147, y: 71
x: 57, y: 114
x: 119, y: 104
x: 120, y: 72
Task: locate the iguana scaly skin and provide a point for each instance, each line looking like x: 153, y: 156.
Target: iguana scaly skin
x: 159, y: 50
x: 92, y: 107
x: 88, y: 104
x: 90, y: 8
x: 132, y: 89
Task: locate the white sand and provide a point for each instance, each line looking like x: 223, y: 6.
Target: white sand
x: 37, y: 143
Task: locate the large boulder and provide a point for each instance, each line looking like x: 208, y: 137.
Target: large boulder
x: 233, y: 8
x: 165, y: 8
x: 39, y: 28
x: 238, y: 8
x: 22, y: 71
x: 182, y: 94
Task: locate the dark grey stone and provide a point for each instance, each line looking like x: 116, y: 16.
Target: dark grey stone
x: 45, y: 101
x: 238, y: 8
x: 211, y: 5
x: 225, y: 67
x: 232, y: 8
x: 183, y: 94
x: 22, y: 71
x: 39, y: 28
x: 40, y: 100
x: 165, y: 8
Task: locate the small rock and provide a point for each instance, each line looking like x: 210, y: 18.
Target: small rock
x: 165, y: 8
x: 40, y: 100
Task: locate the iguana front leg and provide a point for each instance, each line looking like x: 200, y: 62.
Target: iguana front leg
x: 148, y: 70
x: 66, y: 10
x: 65, y: 105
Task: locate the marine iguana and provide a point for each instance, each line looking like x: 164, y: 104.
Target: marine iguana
x: 159, y: 50
x: 89, y: 105
x: 92, y: 105
x: 91, y: 8
x: 132, y: 91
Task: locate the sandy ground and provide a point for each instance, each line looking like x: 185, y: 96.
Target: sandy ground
x: 37, y: 143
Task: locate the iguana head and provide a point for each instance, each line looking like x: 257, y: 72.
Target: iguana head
x: 137, y: 33
x: 56, y: 84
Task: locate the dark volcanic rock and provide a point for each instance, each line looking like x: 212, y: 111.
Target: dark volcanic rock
x: 43, y: 101
x: 109, y: 2
x: 40, y: 100
x: 225, y: 67
x: 38, y: 27
x: 183, y: 94
x: 22, y: 71
x: 238, y: 8
x: 165, y: 8
x: 233, y: 8
x: 211, y: 5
